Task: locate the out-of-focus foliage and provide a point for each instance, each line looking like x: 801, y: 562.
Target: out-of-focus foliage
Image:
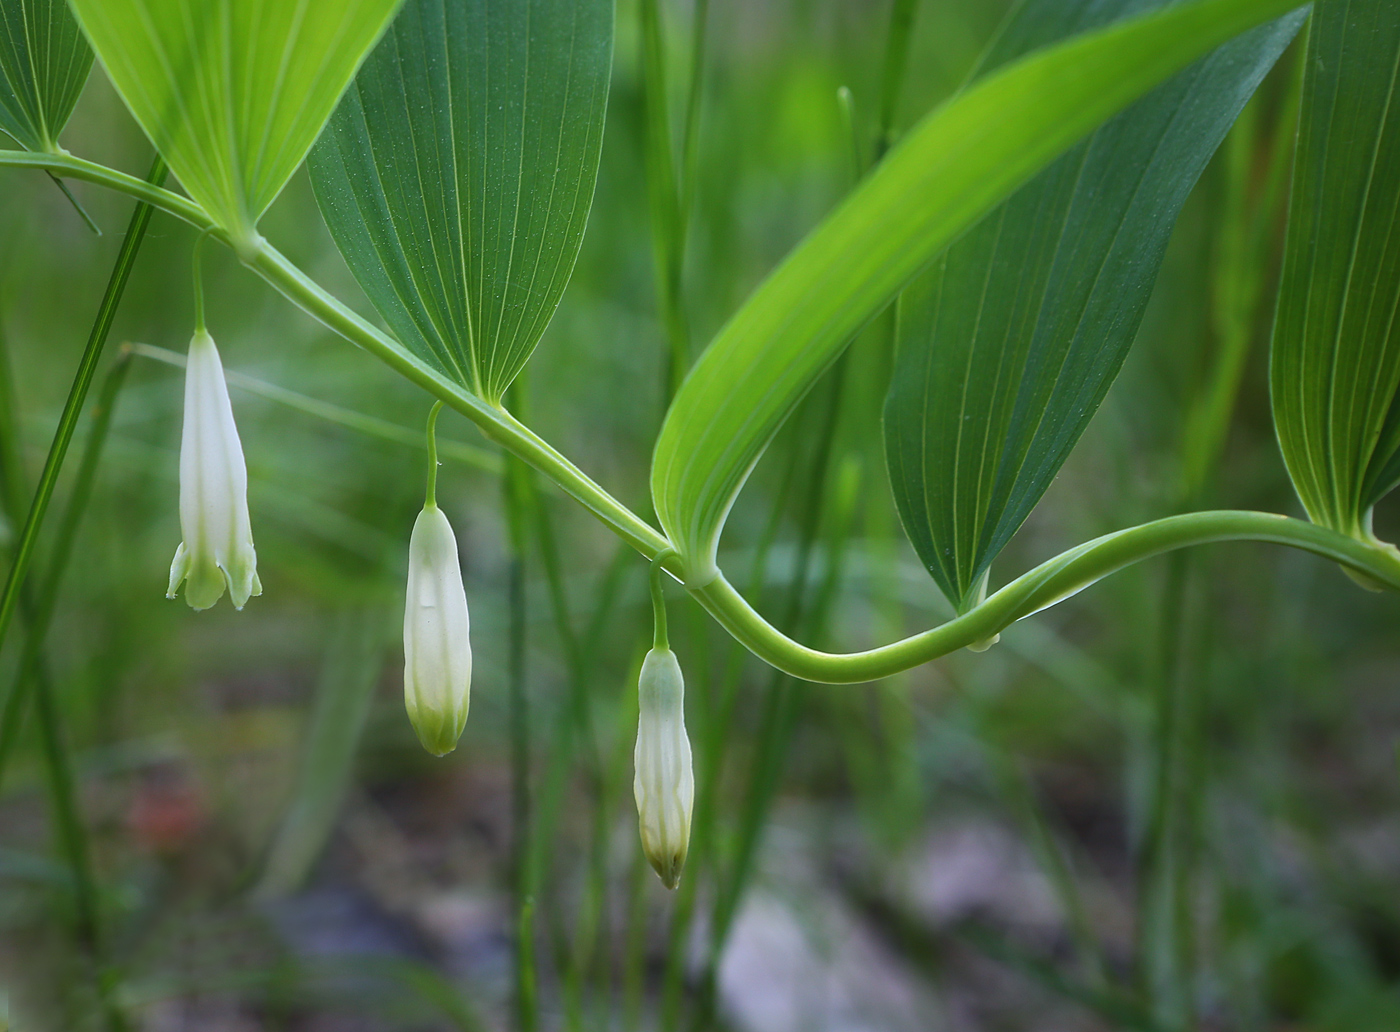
x: 961, y: 847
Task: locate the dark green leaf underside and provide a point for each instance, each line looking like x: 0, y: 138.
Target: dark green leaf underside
x: 457, y: 174
x: 1335, y: 364
x: 1008, y: 344
x: 44, y: 62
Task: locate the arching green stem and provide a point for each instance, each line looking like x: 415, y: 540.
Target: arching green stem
x: 1047, y: 584
x: 1051, y: 582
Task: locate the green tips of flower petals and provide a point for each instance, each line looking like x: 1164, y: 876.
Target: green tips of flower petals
x: 217, y: 550
x: 664, y: 785
x: 437, y: 670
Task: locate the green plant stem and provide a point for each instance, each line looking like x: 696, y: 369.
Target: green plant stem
x: 1018, y: 789
x: 32, y: 669
x: 197, y: 275
x: 690, y: 130
x: 73, y: 407
x: 666, y: 232
x: 574, y: 724
x: 1164, y: 977
x: 1041, y: 587
x: 33, y: 676
x: 892, y: 79
x: 780, y: 700
x: 73, y: 843
x: 430, y: 495
x: 18, y: 594
x: 82, y: 212
x: 716, y: 713
x: 1166, y: 859
x: 516, y: 498
x: 659, y: 639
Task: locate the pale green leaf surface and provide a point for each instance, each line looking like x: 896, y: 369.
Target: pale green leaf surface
x: 1335, y: 363
x: 457, y: 174
x: 233, y: 92
x: 44, y: 62
x: 1009, y: 342
x: 954, y: 166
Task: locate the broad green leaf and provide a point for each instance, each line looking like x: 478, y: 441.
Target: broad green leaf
x: 1009, y: 342
x: 44, y: 62
x: 457, y: 174
x: 954, y: 166
x: 1335, y: 364
x: 233, y: 92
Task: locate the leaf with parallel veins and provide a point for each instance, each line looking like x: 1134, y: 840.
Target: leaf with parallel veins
x: 1008, y: 344
x: 457, y: 174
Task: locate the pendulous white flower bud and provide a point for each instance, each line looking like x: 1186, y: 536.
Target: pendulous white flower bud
x: 437, y: 651
x: 664, y: 785
x: 217, y: 550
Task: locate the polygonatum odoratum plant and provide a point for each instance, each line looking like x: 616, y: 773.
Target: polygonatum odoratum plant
x: 1013, y: 235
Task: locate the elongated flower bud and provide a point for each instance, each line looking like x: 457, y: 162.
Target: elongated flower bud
x: 217, y: 550
x: 437, y: 652
x: 664, y: 785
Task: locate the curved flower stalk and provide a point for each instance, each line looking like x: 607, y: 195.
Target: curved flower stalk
x: 664, y: 783
x: 217, y: 550
x: 437, y: 652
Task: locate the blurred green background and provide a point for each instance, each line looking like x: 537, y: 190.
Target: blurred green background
x: 1169, y: 802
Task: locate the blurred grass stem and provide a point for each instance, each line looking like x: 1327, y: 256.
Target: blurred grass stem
x: 670, y: 182
x: 515, y: 492
x: 72, y: 409
x: 892, y: 74
x: 33, y: 677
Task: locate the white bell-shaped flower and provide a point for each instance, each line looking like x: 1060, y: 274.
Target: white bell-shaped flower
x: 437, y: 669
x: 664, y: 784
x: 217, y: 550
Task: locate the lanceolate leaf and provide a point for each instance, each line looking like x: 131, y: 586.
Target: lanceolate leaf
x: 457, y: 174
x: 1336, y: 350
x: 1007, y: 345
x: 44, y: 62
x: 959, y: 162
x: 233, y: 92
